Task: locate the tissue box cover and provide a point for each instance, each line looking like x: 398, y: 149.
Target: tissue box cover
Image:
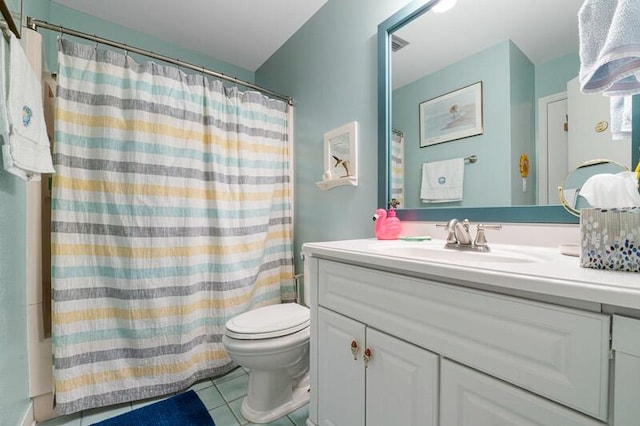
x: 610, y: 239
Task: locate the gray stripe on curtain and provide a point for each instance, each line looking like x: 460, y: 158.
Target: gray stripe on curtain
x: 165, y: 110
x: 161, y: 170
x: 161, y: 292
x: 160, y: 232
x: 101, y: 356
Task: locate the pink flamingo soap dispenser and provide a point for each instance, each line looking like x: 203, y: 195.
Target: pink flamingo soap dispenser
x: 387, y: 226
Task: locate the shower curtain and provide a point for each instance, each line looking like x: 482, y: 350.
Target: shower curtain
x: 171, y: 213
x: 397, y: 167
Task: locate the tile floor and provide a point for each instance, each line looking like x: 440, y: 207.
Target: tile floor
x: 222, y: 397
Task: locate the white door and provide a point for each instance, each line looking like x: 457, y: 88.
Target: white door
x: 552, y: 147
x: 586, y: 143
x: 340, y: 376
x: 402, y: 383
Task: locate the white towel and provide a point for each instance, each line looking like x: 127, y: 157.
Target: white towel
x: 7, y: 158
x: 609, y: 47
x: 620, y: 117
x: 442, y: 181
x: 28, y: 153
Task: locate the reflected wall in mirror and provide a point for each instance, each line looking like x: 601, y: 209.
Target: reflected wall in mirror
x: 525, y: 53
x: 12, y: 15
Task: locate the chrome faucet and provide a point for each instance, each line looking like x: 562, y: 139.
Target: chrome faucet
x: 458, y: 232
x: 459, y: 236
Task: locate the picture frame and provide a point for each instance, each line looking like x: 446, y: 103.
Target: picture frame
x: 12, y: 15
x: 340, y: 157
x: 454, y: 115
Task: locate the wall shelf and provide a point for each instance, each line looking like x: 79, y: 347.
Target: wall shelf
x: 332, y: 183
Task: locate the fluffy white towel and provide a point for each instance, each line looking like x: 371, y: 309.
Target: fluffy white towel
x: 442, y: 181
x: 29, y: 147
x: 620, y: 117
x: 607, y: 190
x: 7, y: 159
x: 609, y: 47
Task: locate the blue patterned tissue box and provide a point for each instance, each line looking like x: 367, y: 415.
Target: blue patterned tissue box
x: 610, y: 239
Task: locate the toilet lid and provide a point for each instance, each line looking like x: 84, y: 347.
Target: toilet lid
x: 269, y: 321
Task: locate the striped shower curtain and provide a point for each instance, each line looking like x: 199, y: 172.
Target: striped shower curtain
x: 171, y: 214
x: 397, y: 167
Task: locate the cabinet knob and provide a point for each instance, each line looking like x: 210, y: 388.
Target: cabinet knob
x: 354, y: 349
x: 366, y: 357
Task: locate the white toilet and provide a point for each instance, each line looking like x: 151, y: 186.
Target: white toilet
x: 273, y: 343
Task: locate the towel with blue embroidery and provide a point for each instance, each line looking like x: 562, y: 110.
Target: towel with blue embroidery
x: 442, y: 181
x: 28, y: 151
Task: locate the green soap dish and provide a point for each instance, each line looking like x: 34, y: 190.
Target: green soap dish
x: 421, y: 238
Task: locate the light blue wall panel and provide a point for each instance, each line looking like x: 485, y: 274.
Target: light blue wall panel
x: 552, y: 76
x: 329, y: 67
x: 14, y: 397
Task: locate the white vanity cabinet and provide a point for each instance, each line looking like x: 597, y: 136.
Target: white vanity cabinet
x: 443, y: 353
x: 362, y: 370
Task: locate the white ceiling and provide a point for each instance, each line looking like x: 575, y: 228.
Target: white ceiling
x: 542, y: 29
x: 244, y: 33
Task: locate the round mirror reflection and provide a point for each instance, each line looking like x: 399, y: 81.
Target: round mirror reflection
x: 569, y: 190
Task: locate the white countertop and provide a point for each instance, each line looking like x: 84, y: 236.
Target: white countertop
x: 543, y: 270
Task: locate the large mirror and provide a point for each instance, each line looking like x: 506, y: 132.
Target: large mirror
x: 525, y: 54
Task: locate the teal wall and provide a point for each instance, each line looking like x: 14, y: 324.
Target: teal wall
x: 552, y: 76
x: 329, y: 67
x: 14, y: 378
x: 492, y: 67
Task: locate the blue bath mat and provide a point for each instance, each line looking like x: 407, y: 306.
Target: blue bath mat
x: 184, y: 409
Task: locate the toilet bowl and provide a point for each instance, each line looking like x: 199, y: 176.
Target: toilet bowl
x: 273, y: 343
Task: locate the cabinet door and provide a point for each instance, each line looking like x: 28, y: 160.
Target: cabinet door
x: 402, y: 383
x: 470, y: 398
x: 340, y: 376
x: 626, y: 343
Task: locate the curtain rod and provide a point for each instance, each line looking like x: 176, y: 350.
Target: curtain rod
x: 34, y: 24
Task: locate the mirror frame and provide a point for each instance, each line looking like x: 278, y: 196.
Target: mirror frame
x: 512, y: 214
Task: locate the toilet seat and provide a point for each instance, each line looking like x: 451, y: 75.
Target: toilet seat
x: 269, y: 322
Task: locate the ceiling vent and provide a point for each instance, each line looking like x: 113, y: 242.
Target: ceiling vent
x: 397, y: 43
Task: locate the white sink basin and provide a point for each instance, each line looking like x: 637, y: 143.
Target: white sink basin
x: 440, y: 254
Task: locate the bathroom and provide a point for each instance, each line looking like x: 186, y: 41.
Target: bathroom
x: 330, y: 68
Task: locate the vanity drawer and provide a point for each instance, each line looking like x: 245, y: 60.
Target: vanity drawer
x: 556, y: 352
x: 470, y: 398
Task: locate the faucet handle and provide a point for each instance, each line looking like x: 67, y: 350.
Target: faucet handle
x: 451, y: 232
x: 481, y: 239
